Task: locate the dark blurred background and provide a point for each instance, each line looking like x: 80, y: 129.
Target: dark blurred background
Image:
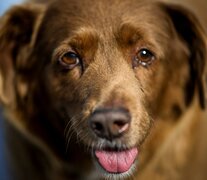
x: 3, y: 168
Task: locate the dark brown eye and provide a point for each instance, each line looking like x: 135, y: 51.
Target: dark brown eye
x: 144, y: 57
x: 69, y: 60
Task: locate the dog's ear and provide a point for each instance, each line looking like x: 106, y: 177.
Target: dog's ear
x: 17, y: 33
x: 191, y: 32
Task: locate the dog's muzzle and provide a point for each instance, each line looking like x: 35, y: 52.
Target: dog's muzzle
x: 111, y: 124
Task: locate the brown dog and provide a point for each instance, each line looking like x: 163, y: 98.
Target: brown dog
x: 104, y: 90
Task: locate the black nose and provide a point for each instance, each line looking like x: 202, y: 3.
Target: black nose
x: 110, y: 123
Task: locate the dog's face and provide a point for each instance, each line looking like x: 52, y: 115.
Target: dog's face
x: 109, y: 70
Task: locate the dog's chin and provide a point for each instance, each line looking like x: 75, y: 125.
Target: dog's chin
x: 107, y: 175
x: 115, y: 163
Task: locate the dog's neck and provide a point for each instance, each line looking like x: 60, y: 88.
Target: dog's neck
x: 172, y: 144
x: 64, y: 161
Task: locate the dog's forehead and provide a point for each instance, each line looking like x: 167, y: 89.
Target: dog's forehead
x: 101, y: 14
x: 64, y: 18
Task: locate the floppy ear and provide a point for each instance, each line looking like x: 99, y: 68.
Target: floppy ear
x: 17, y: 35
x: 191, y: 32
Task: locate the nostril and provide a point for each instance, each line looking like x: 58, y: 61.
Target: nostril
x: 97, y: 126
x: 119, y: 123
x: 121, y: 126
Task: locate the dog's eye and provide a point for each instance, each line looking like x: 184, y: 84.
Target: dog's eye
x: 144, y: 57
x: 69, y: 60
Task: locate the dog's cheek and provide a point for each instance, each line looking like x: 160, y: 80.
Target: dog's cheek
x: 63, y: 88
x: 140, y: 126
x: 63, y: 84
x: 151, y: 82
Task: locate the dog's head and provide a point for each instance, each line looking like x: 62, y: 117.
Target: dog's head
x: 107, y: 70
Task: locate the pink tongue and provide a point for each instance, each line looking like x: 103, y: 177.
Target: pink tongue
x: 116, y: 162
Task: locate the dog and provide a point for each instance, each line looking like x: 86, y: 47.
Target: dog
x: 104, y: 90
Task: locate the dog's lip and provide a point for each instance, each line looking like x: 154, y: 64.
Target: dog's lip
x: 116, y: 161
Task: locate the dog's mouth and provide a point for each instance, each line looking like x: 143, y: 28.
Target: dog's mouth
x: 116, y: 161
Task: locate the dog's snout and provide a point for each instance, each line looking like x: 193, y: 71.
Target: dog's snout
x: 110, y: 123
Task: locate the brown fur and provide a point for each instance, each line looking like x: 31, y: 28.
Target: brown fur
x: 47, y: 107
